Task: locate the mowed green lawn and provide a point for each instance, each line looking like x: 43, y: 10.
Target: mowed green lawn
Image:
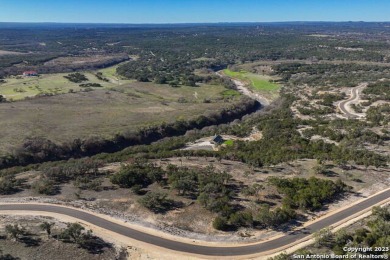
x: 258, y: 82
x: 229, y: 143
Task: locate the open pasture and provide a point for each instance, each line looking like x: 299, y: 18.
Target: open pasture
x: 258, y: 82
x: 103, y: 112
x: 18, y: 87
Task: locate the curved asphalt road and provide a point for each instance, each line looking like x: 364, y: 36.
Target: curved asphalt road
x: 198, y: 249
x: 354, y: 97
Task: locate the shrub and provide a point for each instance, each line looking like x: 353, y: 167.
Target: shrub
x: 282, y: 256
x: 137, y: 174
x: 73, y: 233
x: 324, y: 237
x: 137, y: 189
x: 44, y: 186
x: 381, y: 213
x: 273, y: 218
x: 157, y: 202
x: 15, y: 231
x: 47, y: 227
x: 308, y: 193
x: 8, y: 185
x: 76, y: 77
x: 91, y: 85
x: 86, y: 183
x: 241, y: 219
x: 220, y: 223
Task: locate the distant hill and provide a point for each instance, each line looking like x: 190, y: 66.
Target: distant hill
x: 7, y: 25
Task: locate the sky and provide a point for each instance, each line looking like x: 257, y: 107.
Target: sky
x: 192, y: 11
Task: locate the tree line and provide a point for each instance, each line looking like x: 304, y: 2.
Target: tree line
x: 61, y: 68
x: 38, y: 150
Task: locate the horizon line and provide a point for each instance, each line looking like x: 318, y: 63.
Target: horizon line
x: 173, y: 23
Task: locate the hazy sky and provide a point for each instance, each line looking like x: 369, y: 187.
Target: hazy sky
x: 188, y: 11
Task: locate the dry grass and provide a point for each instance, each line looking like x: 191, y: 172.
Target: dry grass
x: 102, y: 112
x: 79, y: 60
x: 18, y: 88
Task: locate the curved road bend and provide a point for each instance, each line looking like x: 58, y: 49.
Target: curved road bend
x: 354, y: 97
x: 278, y: 243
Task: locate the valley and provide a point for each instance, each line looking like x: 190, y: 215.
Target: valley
x: 281, y: 137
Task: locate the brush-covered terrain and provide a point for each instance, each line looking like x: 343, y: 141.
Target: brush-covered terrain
x: 166, y: 127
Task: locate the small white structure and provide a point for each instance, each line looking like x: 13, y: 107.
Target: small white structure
x: 30, y: 73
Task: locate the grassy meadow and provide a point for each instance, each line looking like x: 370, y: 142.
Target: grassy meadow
x: 18, y: 88
x: 257, y: 82
x: 101, y: 112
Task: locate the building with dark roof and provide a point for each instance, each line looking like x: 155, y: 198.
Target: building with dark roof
x: 217, y: 140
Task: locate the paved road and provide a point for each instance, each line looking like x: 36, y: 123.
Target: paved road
x: 354, y: 97
x: 197, y: 249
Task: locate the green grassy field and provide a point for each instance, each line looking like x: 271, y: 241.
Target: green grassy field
x: 19, y: 88
x: 258, y: 82
x: 110, y: 73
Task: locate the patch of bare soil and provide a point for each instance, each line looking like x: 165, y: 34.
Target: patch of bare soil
x: 79, y: 60
x: 5, y: 53
x: 206, y: 143
x: 325, y: 139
